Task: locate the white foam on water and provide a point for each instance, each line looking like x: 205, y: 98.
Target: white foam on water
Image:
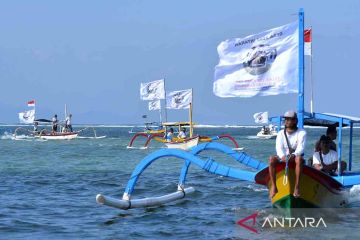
x: 10, y: 136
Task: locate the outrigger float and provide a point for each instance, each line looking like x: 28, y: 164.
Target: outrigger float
x: 317, y: 188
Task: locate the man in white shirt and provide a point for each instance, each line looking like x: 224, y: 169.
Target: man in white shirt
x: 326, y: 159
x: 54, y: 123
x: 182, y: 133
x: 68, y: 125
x: 170, y: 135
x: 289, y: 146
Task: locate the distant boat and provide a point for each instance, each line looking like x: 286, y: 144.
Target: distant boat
x: 267, y: 132
x: 28, y: 117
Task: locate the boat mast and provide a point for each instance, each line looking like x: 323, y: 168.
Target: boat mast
x: 190, y: 114
x: 165, y: 103
x: 65, y: 111
x: 160, y: 112
x: 301, y: 70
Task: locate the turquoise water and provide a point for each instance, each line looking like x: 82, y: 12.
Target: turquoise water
x: 48, y: 190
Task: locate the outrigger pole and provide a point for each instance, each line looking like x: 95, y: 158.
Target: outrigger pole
x: 301, y: 70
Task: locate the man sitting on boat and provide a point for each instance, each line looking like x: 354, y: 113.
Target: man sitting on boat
x: 290, y: 144
x: 326, y: 159
x: 36, y: 129
x: 170, y: 135
x: 332, y: 134
x: 182, y: 133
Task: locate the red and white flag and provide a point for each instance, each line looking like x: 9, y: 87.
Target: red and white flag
x: 307, y: 42
x: 31, y: 103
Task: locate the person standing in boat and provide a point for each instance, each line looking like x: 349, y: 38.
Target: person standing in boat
x: 36, y: 129
x: 182, y: 133
x: 290, y: 144
x: 68, y: 125
x: 54, y: 123
x: 170, y: 135
x: 326, y: 159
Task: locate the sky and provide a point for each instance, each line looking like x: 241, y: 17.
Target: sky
x: 93, y: 55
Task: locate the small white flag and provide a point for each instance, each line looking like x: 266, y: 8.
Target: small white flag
x: 307, y: 41
x: 179, y: 99
x: 154, y: 105
x: 27, y: 117
x: 261, y: 117
x: 152, y: 90
x: 262, y: 64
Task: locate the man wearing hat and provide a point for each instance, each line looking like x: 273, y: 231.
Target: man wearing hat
x: 290, y: 144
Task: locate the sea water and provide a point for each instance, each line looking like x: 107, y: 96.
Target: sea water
x: 48, y: 189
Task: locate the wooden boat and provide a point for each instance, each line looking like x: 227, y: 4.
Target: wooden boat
x: 58, y: 135
x: 317, y: 188
x: 183, y: 144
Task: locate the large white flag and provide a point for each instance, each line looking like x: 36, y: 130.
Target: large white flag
x: 261, y: 117
x: 179, y: 99
x: 27, y: 117
x: 152, y: 90
x: 261, y: 64
x: 154, y: 105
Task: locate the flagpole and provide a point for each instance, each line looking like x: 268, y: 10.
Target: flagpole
x: 65, y: 111
x: 190, y: 114
x: 301, y: 70
x: 160, y: 112
x: 311, y: 75
x: 165, y: 102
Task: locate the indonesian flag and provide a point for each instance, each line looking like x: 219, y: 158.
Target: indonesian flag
x: 31, y: 103
x: 307, y: 42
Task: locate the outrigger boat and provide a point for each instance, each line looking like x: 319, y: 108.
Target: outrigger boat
x: 317, y: 188
x: 46, y: 134
x: 180, y: 143
x: 150, y: 128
